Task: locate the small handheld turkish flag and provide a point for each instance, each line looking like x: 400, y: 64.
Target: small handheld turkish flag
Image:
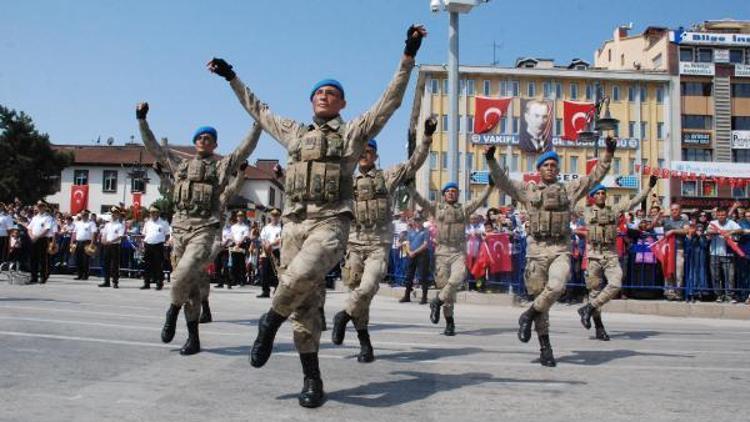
x: 576, y: 116
x: 488, y: 112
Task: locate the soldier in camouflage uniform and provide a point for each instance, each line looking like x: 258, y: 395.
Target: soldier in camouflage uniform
x: 198, y: 183
x: 549, y: 206
x: 371, y: 236
x: 450, y: 255
x: 318, y: 208
x: 603, y: 261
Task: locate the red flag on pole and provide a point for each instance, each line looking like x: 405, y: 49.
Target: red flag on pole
x: 494, y: 255
x: 590, y: 164
x: 79, y: 198
x: 136, y: 204
x: 664, y: 251
x: 575, y: 116
x: 488, y: 112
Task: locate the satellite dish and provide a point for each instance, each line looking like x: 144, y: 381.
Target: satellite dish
x: 110, y: 140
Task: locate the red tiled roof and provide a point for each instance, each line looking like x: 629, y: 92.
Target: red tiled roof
x: 116, y: 154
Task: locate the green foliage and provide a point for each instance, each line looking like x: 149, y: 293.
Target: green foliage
x: 30, y: 168
x: 165, y: 205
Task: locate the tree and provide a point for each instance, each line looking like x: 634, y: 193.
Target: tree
x: 30, y: 167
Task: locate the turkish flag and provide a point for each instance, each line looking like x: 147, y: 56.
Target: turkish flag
x: 590, y: 164
x: 494, y: 255
x: 79, y: 198
x: 488, y: 112
x: 136, y: 204
x: 664, y: 251
x: 575, y: 116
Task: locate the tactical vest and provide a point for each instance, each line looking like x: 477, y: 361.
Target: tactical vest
x: 602, y: 225
x: 195, y: 188
x: 371, y: 208
x: 314, y: 174
x: 549, y: 215
x: 451, y: 224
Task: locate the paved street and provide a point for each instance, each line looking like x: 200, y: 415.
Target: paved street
x: 74, y: 352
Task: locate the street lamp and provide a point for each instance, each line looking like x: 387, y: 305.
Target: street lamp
x: 605, y: 123
x: 454, y: 7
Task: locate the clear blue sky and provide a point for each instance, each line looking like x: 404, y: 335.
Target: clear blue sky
x: 79, y: 67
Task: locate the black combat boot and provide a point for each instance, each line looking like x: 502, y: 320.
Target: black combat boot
x: 312, y: 394
x: 450, y: 327
x: 423, y: 301
x: 546, y: 358
x: 339, y: 327
x: 193, y: 343
x: 366, y: 354
x: 525, y: 321
x: 586, y: 312
x: 104, y: 284
x: 146, y: 285
x: 170, y: 323
x: 205, y: 313
x: 159, y: 285
x: 435, y: 305
x: 601, y: 333
x: 268, y: 325
x: 323, y: 325
x: 407, y: 294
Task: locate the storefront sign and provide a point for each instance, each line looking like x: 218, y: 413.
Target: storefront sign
x: 621, y: 182
x: 741, y: 139
x: 721, y: 55
x: 742, y: 70
x: 712, y: 169
x: 696, y: 138
x: 709, y: 38
x: 557, y: 142
x: 706, y: 203
x: 699, y: 69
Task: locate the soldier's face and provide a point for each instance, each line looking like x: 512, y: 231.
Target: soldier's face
x: 600, y: 197
x: 450, y: 195
x: 327, y: 102
x: 205, y: 145
x: 368, y: 158
x: 548, y: 170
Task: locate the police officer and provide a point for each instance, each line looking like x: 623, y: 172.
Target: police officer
x: 549, y: 206
x: 371, y: 236
x: 42, y: 229
x: 603, y: 261
x: 155, y: 234
x: 198, y: 183
x: 111, y: 238
x: 451, y: 218
x: 318, y: 208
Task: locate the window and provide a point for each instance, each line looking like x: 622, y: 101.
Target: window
x: 462, y: 86
x: 433, y: 160
x: 616, y: 165
x: 705, y: 55
x: 470, y: 123
x: 644, y: 94
x: 516, y: 88
x: 137, y: 185
x: 616, y: 198
x: 105, y: 209
x: 458, y: 127
x: 433, y: 195
x: 444, y: 159
x: 697, y: 121
x: 622, y: 59
x: 470, y: 87
x: 504, y: 125
x: 615, y: 93
x: 589, y: 92
x: 444, y: 126
x: 741, y: 155
x: 631, y: 129
x: 434, y: 86
x: 558, y: 126
x: 80, y: 177
x: 503, y: 88
x: 656, y: 61
x: 644, y: 130
x: 659, y: 130
x: 736, y: 56
x: 741, y: 123
x: 686, y: 54
x: 689, y: 188
x: 573, y: 91
x: 109, y: 181
x: 739, y: 193
x: 741, y: 90
x: 558, y: 90
x: 272, y: 196
x: 609, y: 56
x: 573, y: 167
x: 514, y: 162
x: 531, y: 89
x: 470, y: 160
x: 486, y: 87
x: 547, y: 87
x: 631, y: 166
x: 660, y: 163
x: 529, y: 164
x: 445, y: 87
x: 696, y: 154
x: 515, y: 125
x: 659, y: 95
x: 631, y: 94
x: 696, y: 89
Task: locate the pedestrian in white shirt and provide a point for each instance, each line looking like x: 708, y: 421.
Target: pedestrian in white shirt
x: 270, y: 237
x: 6, y: 222
x: 155, y: 233
x: 42, y: 229
x: 240, y: 238
x: 111, y: 238
x: 83, y: 235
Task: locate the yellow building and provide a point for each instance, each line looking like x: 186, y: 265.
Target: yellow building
x: 644, y: 102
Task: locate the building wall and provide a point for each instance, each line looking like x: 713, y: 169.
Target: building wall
x: 258, y: 191
x: 624, y: 53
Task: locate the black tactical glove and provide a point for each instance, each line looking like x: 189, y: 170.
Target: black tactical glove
x: 652, y: 180
x: 490, y: 153
x: 243, y: 166
x: 408, y: 182
x: 490, y: 180
x: 413, y: 40
x: 141, y: 110
x: 430, y: 125
x: 611, y: 144
x: 222, y: 68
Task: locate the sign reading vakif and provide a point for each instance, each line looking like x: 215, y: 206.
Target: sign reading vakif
x: 557, y: 141
x: 709, y: 38
x: 700, y: 69
x: 741, y: 139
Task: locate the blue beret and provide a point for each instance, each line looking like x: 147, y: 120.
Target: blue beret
x: 327, y: 82
x: 372, y: 143
x: 549, y: 155
x: 206, y: 129
x: 596, y: 189
x: 450, y: 185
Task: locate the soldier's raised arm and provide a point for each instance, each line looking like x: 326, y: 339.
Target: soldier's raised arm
x: 512, y: 188
x: 577, y: 189
x: 368, y: 125
x: 427, y: 206
x: 239, y: 155
x: 149, y: 140
x: 282, y: 129
x: 396, y: 174
x: 234, y: 185
x: 628, y: 205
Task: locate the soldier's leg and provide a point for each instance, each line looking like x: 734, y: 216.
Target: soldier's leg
x: 205, y: 291
x: 557, y: 276
x: 442, y: 274
x: 192, y: 314
x: 306, y: 325
x: 594, y: 278
x: 351, y: 276
x: 449, y: 292
x: 546, y: 355
x: 613, y: 272
x: 358, y: 303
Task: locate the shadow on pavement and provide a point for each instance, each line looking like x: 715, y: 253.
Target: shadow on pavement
x: 427, y: 353
x: 599, y: 357
x: 487, y: 331
x: 34, y: 299
x: 643, y: 335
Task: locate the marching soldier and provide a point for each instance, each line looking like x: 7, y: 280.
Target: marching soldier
x: 42, y: 229
x: 155, y: 233
x: 318, y: 209
x: 371, y: 236
x: 549, y: 206
x: 198, y: 183
x: 603, y: 261
x: 111, y: 239
x: 270, y: 237
x: 83, y: 235
x: 450, y: 255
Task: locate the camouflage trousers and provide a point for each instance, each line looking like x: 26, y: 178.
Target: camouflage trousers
x: 364, y: 269
x: 192, y: 253
x: 450, y: 273
x: 547, y: 271
x: 310, y: 248
x: 607, y: 265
